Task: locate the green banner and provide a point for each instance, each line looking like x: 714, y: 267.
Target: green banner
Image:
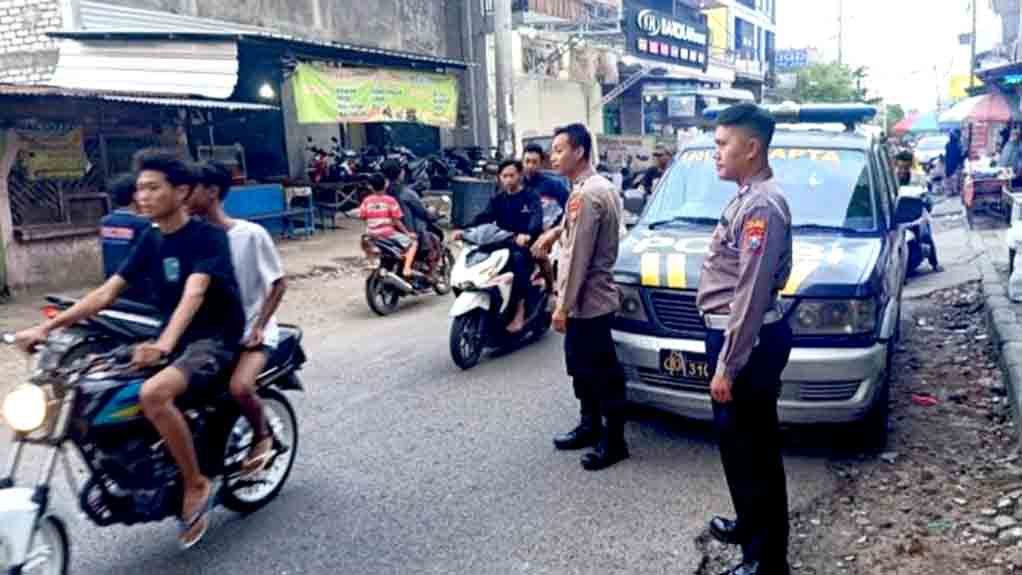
x: 362, y: 95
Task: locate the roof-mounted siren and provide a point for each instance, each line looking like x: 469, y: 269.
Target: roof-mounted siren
x: 790, y: 113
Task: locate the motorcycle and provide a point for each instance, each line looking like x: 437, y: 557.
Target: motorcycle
x: 482, y: 286
x: 918, y: 230
x: 90, y: 401
x: 385, y: 286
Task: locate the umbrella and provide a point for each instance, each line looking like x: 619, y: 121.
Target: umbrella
x: 905, y: 124
x: 986, y: 108
x: 925, y: 123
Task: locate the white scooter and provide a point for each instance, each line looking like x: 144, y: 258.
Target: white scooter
x: 482, y: 284
x: 918, y: 230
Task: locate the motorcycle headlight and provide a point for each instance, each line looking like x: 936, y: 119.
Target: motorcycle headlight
x: 833, y: 317
x: 24, y: 407
x: 632, y: 307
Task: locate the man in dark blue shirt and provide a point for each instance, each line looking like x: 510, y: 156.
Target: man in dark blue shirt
x: 546, y: 185
x: 189, y: 264
x: 120, y: 231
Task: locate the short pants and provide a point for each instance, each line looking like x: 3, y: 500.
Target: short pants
x: 399, y: 239
x: 204, y: 363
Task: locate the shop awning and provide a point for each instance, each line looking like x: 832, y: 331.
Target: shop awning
x: 667, y: 89
x: 12, y: 90
x: 187, y: 68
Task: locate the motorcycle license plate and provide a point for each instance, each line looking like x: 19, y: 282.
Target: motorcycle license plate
x: 683, y: 365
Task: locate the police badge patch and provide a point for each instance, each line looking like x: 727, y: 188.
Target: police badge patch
x: 754, y: 234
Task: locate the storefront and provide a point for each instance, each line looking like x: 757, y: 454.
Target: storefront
x: 60, y: 147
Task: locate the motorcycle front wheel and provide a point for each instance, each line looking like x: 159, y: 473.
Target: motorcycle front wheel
x: 446, y: 265
x: 246, y: 495
x: 51, y: 550
x: 467, y: 338
x: 382, y: 298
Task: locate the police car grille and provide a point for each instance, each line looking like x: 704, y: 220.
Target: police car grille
x: 653, y: 377
x: 827, y: 390
x: 676, y: 310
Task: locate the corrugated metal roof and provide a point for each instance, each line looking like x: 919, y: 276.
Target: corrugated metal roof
x: 135, y: 98
x: 102, y: 20
x: 207, y: 69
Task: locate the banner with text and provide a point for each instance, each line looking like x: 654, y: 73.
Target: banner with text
x: 361, y: 95
x: 52, y: 154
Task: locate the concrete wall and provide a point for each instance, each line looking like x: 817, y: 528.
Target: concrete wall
x: 542, y: 104
x: 26, y: 53
x: 411, y: 25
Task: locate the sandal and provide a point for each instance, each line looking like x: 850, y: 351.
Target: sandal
x: 258, y: 456
x: 200, y: 517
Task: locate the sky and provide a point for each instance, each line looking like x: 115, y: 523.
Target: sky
x: 909, y: 46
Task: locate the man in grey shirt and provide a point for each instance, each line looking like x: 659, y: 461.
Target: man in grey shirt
x: 1011, y: 155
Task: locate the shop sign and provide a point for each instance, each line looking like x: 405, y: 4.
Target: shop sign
x: 658, y: 36
x: 681, y: 106
x: 363, y: 95
x: 46, y: 154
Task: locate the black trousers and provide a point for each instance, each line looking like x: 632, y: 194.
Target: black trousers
x: 521, y: 265
x: 591, y: 362
x: 750, y: 445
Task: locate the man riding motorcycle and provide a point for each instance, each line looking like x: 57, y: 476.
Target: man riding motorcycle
x: 519, y: 211
x: 904, y: 161
x: 189, y: 264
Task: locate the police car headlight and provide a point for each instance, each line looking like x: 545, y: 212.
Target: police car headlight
x: 834, y: 317
x: 24, y: 407
x: 631, y: 304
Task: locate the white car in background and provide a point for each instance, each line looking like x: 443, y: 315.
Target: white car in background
x: 930, y: 148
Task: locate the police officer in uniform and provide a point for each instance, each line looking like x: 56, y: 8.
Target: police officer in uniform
x: 748, y: 342
x: 587, y: 300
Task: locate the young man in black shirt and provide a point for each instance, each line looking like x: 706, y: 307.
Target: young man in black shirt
x: 662, y: 159
x: 533, y: 178
x: 189, y: 264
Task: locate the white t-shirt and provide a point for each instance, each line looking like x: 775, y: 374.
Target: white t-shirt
x: 256, y: 267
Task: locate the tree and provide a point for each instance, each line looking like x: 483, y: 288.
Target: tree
x: 831, y: 82
x: 895, y: 114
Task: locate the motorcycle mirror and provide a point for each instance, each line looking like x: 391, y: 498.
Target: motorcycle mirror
x: 8, y: 339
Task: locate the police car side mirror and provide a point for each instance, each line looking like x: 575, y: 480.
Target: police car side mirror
x: 908, y: 209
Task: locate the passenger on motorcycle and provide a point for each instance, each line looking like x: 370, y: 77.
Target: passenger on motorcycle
x: 414, y: 214
x: 261, y: 283
x: 519, y: 211
x: 189, y: 263
x: 904, y: 162
x: 120, y: 231
x: 533, y: 178
x: 383, y: 216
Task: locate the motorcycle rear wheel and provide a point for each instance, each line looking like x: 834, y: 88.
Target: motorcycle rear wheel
x: 249, y: 495
x: 382, y: 299
x: 51, y: 550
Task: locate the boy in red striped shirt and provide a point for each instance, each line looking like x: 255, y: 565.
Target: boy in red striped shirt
x: 382, y: 214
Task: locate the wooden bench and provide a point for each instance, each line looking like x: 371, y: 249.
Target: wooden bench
x: 267, y: 205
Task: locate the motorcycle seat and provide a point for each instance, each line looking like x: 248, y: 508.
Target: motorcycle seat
x: 137, y: 308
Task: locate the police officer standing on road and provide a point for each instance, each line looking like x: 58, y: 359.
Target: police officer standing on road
x: 747, y: 341
x: 587, y: 300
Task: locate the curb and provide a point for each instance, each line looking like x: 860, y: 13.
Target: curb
x: 1002, y: 318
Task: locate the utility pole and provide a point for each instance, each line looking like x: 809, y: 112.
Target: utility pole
x: 972, y: 49
x: 505, y: 81
x: 840, y: 31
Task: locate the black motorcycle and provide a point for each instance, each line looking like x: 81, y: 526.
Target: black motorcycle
x: 384, y: 285
x: 85, y: 394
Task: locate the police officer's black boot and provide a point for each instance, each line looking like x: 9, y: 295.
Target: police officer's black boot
x: 586, y: 434
x: 611, y: 448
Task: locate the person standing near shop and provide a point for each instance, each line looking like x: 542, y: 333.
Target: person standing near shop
x: 954, y: 159
x: 587, y: 300
x: 747, y: 340
x: 661, y: 161
x: 119, y: 233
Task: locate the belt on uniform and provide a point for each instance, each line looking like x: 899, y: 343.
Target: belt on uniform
x: 721, y: 321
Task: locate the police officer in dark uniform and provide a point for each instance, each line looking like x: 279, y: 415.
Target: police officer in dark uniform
x: 748, y: 342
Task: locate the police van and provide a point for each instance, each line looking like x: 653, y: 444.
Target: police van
x: 842, y: 300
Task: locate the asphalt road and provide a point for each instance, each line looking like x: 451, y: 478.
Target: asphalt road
x: 408, y: 465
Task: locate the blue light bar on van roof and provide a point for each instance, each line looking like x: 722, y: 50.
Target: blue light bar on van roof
x: 848, y: 114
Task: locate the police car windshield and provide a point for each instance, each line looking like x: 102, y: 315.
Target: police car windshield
x: 825, y: 188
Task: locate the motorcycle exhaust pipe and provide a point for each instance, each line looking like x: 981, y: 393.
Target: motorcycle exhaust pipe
x: 397, y: 282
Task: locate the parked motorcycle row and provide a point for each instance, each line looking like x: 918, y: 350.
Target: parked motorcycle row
x: 434, y: 171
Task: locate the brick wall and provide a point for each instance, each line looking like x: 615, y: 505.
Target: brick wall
x: 26, y: 53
